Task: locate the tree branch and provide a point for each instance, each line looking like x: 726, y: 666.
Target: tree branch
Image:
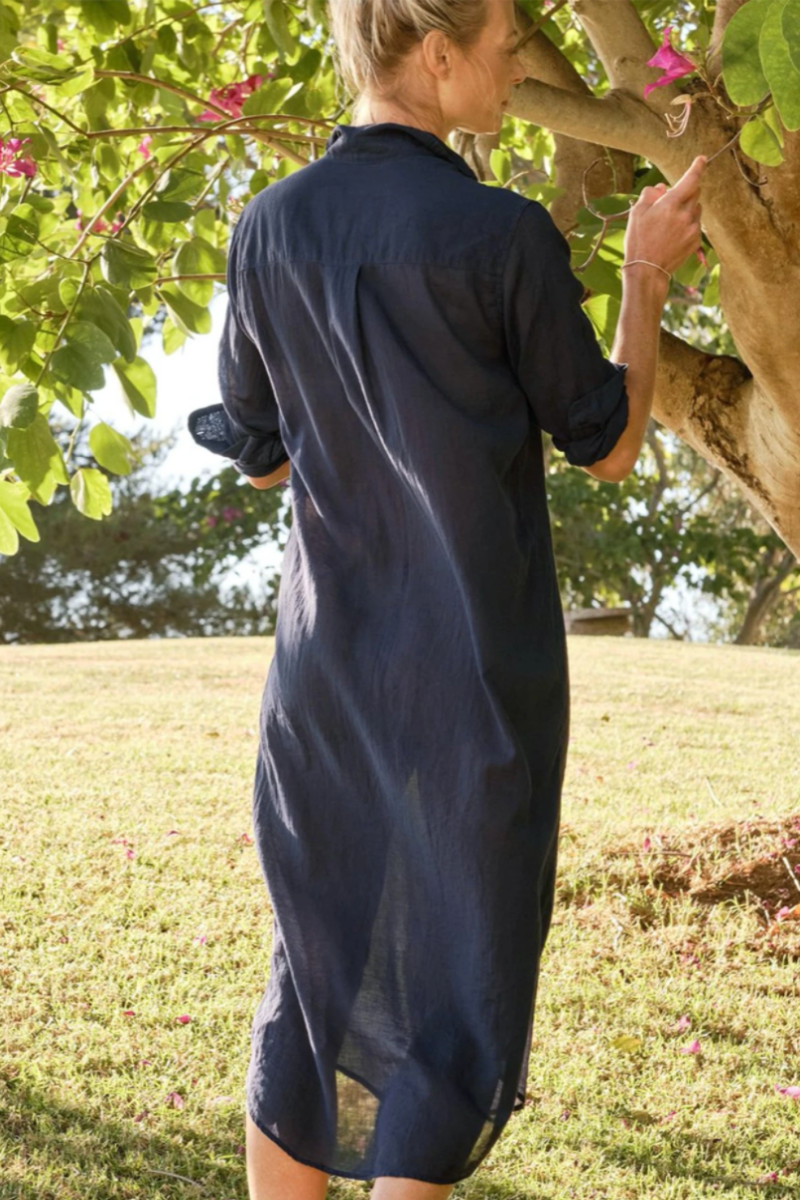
x: 623, y: 45
x: 573, y: 156
x: 615, y: 120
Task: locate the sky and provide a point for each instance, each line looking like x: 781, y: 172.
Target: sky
x: 186, y: 379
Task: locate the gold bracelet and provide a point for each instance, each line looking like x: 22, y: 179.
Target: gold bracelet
x: 650, y: 264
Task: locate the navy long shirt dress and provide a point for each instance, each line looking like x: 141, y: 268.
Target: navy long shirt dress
x: 402, y: 333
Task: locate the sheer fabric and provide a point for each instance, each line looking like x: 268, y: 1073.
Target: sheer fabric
x: 403, y: 333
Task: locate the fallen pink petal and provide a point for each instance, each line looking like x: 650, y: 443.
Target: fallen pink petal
x: 683, y: 1023
x: 646, y: 844
x: 175, y: 1099
x: 184, y: 1020
x: 792, y: 1092
x: 201, y: 941
x: 128, y: 1012
x: 692, y: 1048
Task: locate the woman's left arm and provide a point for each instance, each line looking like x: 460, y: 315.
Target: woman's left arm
x: 268, y: 481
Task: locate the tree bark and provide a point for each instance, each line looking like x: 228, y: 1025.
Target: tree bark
x: 741, y: 414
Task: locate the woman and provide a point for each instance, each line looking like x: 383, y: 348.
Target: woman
x: 400, y: 334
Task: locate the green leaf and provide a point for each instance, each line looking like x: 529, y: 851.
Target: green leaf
x: 100, y: 306
x: 16, y: 342
x: 761, y: 142
x: 626, y: 1043
x: 111, y: 449
x: 167, y: 212
x: 138, y: 385
x: 198, y: 257
x: 108, y: 161
x: 92, y: 340
x: 500, y: 162
x: 90, y: 493
x: 744, y: 78
x: 791, y: 31
x: 782, y: 75
x: 127, y: 265
x: 37, y: 458
x: 17, y: 239
x: 270, y: 98
x: 40, y: 65
x: 19, y: 406
x: 275, y: 17
x: 603, y: 311
x: 105, y: 15
x: 307, y: 66
x: 78, y: 363
x: 172, y: 338
x: 9, y: 538
x: 14, y: 506
x: 79, y: 83
x: 176, y: 185
x: 188, y: 316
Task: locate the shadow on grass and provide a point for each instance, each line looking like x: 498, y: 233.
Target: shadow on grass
x: 58, y: 1151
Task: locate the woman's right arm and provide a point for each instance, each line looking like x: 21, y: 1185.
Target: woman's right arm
x: 664, y: 228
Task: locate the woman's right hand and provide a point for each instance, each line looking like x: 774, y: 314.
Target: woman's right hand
x: 664, y: 224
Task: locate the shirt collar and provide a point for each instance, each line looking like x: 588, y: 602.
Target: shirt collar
x: 387, y: 137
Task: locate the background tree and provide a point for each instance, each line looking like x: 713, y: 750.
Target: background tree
x: 675, y: 520
x: 134, y: 131
x: 161, y: 564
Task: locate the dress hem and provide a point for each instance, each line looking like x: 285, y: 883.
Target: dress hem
x: 348, y: 1174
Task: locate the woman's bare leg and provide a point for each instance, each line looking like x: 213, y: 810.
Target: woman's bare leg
x: 272, y: 1174
x: 388, y: 1187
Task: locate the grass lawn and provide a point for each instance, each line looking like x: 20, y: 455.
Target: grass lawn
x: 667, y: 1014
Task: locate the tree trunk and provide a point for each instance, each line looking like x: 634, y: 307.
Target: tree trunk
x: 764, y: 595
x: 741, y: 414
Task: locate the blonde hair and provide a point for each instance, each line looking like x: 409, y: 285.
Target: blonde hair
x: 373, y: 37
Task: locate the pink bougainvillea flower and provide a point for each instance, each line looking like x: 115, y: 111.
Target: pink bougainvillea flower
x: 184, y: 1020
x: 99, y: 225
x: 673, y: 64
x: 693, y: 1048
x: 211, y: 522
x: 144, y: 145
x: 792, y: 1092
x: 231, y: 514
x: 232, y: 97
x: 10, y: 162
x: 682, y: 1024
x: 175, y: 1099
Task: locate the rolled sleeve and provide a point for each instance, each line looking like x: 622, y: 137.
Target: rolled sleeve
x: 576, y: 394
x: 245, y: 427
